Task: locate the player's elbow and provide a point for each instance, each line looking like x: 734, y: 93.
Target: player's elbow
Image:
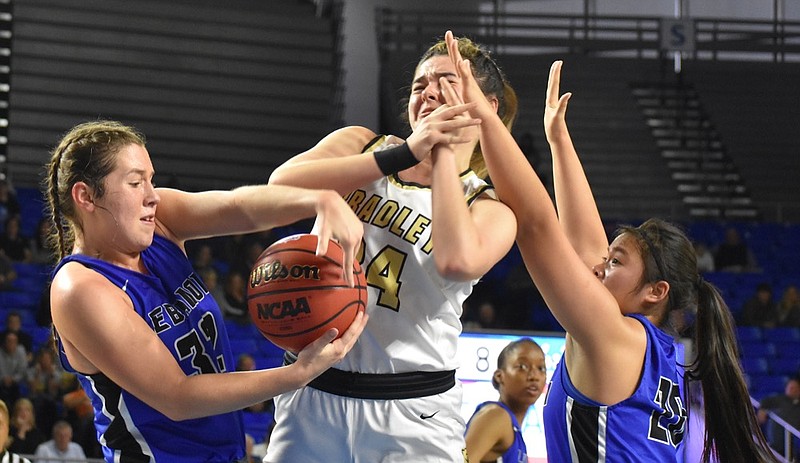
x: 278, y: 177
x: 457, y: 268
x: 178, y: 412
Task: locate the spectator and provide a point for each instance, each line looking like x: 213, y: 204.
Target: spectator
x: 203, y: 258
x: 16, y: 246
x: 60, y: 447
x: 14, y: 325
x: 234, y: 298
x: 528, y: 146
x: 480, y: 314
x: 487, y: 315
x: 7, y: 272
x: 44, y: 380
x: 210, y: 278
x: 25, y: 435
x: 5, y: 455
x: 13, y: 367
x: 9, y: 205
x: 760, y: 309
x: 787, y: 407
x: 705, y: 260
x: 733, y: 254
x: 79, y: 413
x: 520, y: 297
x: 252, y: 251
x: 246, y: 362
x: 40, y: 251
x: 249, y: 443
x: 788, y: 312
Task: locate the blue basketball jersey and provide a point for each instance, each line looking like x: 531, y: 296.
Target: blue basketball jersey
x: 647, y: 426
x: 517, y: 452
x: 178, y: 307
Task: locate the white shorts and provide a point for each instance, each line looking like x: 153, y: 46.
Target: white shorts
x: 315, y: 426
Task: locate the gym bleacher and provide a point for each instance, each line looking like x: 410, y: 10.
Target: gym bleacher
x: 769, y: 355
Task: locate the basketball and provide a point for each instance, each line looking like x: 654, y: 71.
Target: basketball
x: 294, y: 296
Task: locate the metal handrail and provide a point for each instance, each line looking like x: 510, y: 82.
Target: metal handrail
x: 788, y: 431
x: 636, y: 36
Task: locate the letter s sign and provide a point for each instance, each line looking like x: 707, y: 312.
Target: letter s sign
x: 677, y: 34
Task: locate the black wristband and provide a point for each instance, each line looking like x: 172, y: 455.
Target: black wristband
x: 395, y: 159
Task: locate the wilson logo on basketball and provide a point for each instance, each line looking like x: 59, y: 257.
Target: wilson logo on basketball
x: 282, y: 309
x: 272, y: 271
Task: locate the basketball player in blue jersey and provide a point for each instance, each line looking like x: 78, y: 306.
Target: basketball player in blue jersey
x: 494, y: 432
x: 616, y: 394
x: 134, y: 320
x: 432, y: 228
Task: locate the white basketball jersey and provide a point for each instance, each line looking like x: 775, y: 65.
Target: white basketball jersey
x: 414, y: 313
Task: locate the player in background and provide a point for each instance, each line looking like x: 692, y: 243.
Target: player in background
x: 494, y: 432
x: 433, y: 227
x: 616, y: 393
x: 134, y: 320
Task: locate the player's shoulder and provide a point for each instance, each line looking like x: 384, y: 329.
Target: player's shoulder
x: 492, y: 412
x: 76, y: 285
x: 356, y: 133
x: 347, y: 140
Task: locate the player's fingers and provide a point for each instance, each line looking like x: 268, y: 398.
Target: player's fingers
x: 348, y: 269
x: 450, y: 94
x: 458, y: 123
x: 554, y: 84
x: 322, y: 242
x: 316, y: 346
x: 352, y: 333
x: 563, y: 101
x: 452, y: 47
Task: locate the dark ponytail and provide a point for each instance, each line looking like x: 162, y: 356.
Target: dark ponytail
x: 731, y: 427
x: 732, y: 432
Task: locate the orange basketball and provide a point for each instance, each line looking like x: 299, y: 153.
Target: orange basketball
x: 294, y: 296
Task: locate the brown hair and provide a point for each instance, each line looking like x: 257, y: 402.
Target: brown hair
x: 491, y: 80
x: 87, y: 153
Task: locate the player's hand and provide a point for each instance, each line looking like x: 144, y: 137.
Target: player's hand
x: 335, y: 220
x: 447, y: 124
x: 471, y: 91
x: 555, y: 107
x: 324, y: 352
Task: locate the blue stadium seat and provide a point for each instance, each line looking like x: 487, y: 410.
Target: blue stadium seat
x: 782, y: 334
x: 761, y: 386
x: 787, y: 349
x: 268, y: 361
x: 243, y: 346
x: 266, y: 347
x: 755, y: 366
x: 19, y: 299
x: 784, y: 366
x: 749, y: 333
x: 757, y: 349
x: 258, y: 424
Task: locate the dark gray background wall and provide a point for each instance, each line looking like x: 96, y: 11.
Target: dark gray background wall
x: 224, y: 91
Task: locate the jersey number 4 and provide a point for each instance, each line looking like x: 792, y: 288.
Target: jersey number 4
x: 383, y: 273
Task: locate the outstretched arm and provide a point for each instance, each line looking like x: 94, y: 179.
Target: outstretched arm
x: 577, y: 210
x: 183, y: 216
x: 580, y: 302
